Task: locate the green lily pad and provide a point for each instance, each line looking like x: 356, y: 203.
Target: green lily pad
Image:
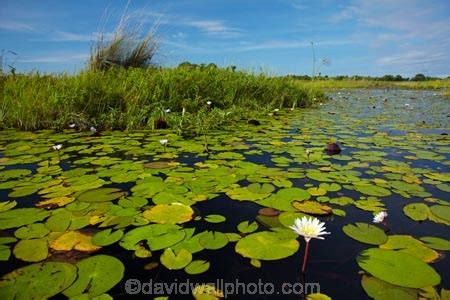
x: 215, y: 218
x: 213, y: 240
x: 365, y: 233
x: 266, y: 246
x: 317, y: 296
x: 100, y: 195
x: 398, y: 268
x: 106, y: 237
x: 381, y: 290
x: 37, y: 230
x: 173, y: 213
x: 411, y: 246
x: 21, y: 216
x: 312, y: 207
x: 197, y: 267
x: 37, y: 281
x: 96, y: 275
x: 417, y: 211
x: 373, y: 190
x: 436, y: 243
x: 246, y: 227
x: 33, y: 250
x: 441, y: 211
x: 4, y: 206
x: 175, y: 261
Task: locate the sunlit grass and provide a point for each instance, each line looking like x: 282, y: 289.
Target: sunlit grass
x: 134, y: 98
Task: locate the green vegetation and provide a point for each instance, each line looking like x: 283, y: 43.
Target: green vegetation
x: 348, y: 82
x: 134, y: 98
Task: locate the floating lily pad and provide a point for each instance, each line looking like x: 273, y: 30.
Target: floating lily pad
x: 33, y: 250
x: 247, y: 227
x: 21, y: 216
x: 441, y: 211
x: 398, y: 268
x: 266, y: 246
x: 74, y: 240
x: 37, y: 230
x: 197, y: 267
x: 107, y: 237
x: 381, y: 290
x: 213, y: 240
x: 37, y: 281
x: 100, y: 195
x: 373, y: 190
x: 365, y: 233
x: 312, y: 207
x: 436, y: 243
x: 175, y: 261
x: 4, y: 206
x: 215, y: 218
x: 411, y: 246
x: 417, y: 211
x: 96, y: 275
x: 174, y: 213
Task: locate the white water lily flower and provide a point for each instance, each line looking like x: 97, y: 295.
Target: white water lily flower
x: 57, y: 147
x: 309, y: 228
x: 209, y: 102
x: 93, y: 129
x: 379, y: 217
x: 276, y: 110
x: 167, y: 110
x: 163, y: 142
x: 72, y: 125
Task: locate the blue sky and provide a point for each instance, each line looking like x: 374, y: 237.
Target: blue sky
x: 365, y: 37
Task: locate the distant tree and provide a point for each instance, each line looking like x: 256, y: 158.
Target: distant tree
x: 419, y: 77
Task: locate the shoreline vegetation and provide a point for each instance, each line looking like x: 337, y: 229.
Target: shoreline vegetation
x: 122, y: 89
x: 138, y: 98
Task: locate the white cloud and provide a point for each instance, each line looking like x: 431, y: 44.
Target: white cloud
x: 15, y: 26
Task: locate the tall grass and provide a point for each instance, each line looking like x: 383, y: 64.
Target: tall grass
x: 133, y: 98
x: 365, y: 83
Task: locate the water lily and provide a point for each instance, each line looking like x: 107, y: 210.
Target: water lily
x: 276, y: 110
x: 57, y: 147
x: 379, y: 217
x: 72, y: 125
x: 208, y: 103
x: 164, y: 142
x: 309, y: 228
x: 167, y: 111
x: 93, y: 130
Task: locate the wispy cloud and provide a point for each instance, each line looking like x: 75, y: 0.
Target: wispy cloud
x: 210, y: 27
x: 15, y: 26
x: 288, y: 44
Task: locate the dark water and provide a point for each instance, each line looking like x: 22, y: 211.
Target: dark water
x: 349, y: 115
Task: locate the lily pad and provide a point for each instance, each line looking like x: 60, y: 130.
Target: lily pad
x: 409, y: 245
x: 312, y: 207
x: 100, y: 195
x: 266, y: 246
x: 74, y: 240
x: 381, y: 290
x: 398, y: 268
x: 37, y: 281
x: 436, y: 243
x: 21, y: 216
x: 197, y: 267
x: 365, y: 233
x: 215, y: 218
x: 213, y: 240
x: 417, y: 211
x: 175, y: 261
x: 247, y: 227
x: 173, y: 213
x: 107, y: 237
x: 441, y: 211
x: 33, y: 250
x: 96, y: 275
